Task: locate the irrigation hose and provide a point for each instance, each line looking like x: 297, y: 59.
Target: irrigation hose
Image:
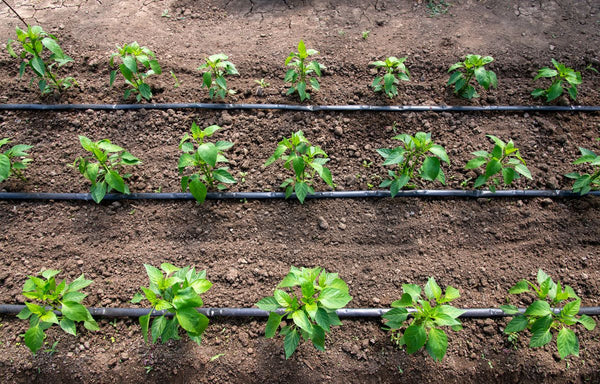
x: 455, y: 193
x: 473, y: 313
x: 302, y: 108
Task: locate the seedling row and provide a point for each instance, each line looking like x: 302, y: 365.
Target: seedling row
x: 40, y: 53
x: 203, y: 164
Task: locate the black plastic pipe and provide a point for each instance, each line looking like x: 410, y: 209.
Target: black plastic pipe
x: 12, y: 309
x: 281, y: 195
x: 304, y: 108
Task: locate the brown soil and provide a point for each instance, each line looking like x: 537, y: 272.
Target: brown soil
x: 480, y: 246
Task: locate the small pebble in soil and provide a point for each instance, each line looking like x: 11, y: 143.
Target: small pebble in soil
x: 323, y: 224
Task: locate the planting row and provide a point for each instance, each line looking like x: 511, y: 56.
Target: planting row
x: 309, y: 298
x: 41, y: 52
x: 201, y: 164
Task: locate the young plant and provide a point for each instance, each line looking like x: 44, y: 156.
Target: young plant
x: 310, y: 315
x: 215, y: 69
x: 14, y: 160
x: 299, y: 74
x: 105, y: 171
x: 586, y: 182
x: 130, y: 55
x: 409, y: 156
x: 305, y: 163
x: 473, y: 66
x: 203, y: 160
x: 177, y: 292
x: 559, y: 76
x: 50, y: 296
x: 505, y: 160
x: 542, y: 320
x: 32, y: 43
x: 427, y: 319
x: 388, y: 81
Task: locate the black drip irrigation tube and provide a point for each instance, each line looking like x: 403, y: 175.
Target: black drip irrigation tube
x: 452, y: 193
x: 302, y: 108
x: 348, y: 313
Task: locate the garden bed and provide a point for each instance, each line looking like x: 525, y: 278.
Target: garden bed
x: 479, y: 246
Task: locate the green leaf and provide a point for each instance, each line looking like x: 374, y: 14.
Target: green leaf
x: 587, y: 322
x: 554, y: 91
x: 74, y: 311
x: 98, y: 192
x: 482, y: 77
x: 290, y: 343
x: 301, y: 190
x: 571, y: 309
x: 191, y: 320
x: 34, y: 338
x: 509, y: 309
x: 413, y: 290
x: 158, y: 326
x: 521, y: 287
x: 187, y: 298
x: 145, y: 323
x: 334, y: 298
x: 318, y: 338
x: 431, y: 168
x: 115, y: 181
x: 4, y: 167
x: 301, y: 88
x: 38, y: 66
x: 540, y: 330
x: 432, y: 289
x: 301, y: 320
x: 440, y: 152
x: 396, y: 316
x: 454, y: 77
x: 517, y: 324
x: 198, y: 190
x: 268, y: 304
x: 68, y: 326
x: 154, y: 274
x: 415, y: 337
x: 508, y: 175
x: 145, y: 91
x: 567, y: 343
x: 437, y: 344
x: 272, y: 324
x: 493, y: 167
x: 322, y: 319
x: 208, y: 152
x: 523, y: 170
x: 538, y: 308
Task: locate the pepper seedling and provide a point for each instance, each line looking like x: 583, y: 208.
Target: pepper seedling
x: 473, y: 66
x: 388, y: 82
x: 304, y: 160
x: 586, y: 182
x: 14, y: 160
x: 300, y: 73
x: 504, y: 160
x: 309, y: 316
x: 176, y: 291
x: 412, y: 157
x: 542, y: 320
x: 105, y: 171
x: 130, y: 55
x: 425, y: 329
x: 51, y: 297
x: 32, y: 43
x: 215, y: 68
x: 559, y: 76
x: 203, y: 160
